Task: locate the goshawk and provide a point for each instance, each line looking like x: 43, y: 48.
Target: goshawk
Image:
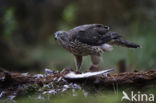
x: 90, y: 39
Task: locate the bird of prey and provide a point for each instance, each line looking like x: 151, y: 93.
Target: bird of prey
x: 90, y: 39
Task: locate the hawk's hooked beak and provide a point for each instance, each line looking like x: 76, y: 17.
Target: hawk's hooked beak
x: 55, y: 38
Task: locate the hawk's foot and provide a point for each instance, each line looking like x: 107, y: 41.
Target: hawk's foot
x: 94, y: 68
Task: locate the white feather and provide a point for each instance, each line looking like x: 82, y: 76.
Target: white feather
x: 73, y: 75
x: 107, y: 47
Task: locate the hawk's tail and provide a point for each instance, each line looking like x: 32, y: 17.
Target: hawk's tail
x: 124, y: 43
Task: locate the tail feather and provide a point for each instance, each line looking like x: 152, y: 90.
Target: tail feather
x: 124, y: 43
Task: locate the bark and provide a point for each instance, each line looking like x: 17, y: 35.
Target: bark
x: 11, y: 82
x: 126, y: 78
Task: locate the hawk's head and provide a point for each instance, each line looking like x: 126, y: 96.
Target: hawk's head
x: 61, y: 36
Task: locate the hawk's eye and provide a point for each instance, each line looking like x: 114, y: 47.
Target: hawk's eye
x: 106, y: 27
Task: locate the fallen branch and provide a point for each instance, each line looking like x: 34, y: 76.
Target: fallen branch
x: 13, y: 81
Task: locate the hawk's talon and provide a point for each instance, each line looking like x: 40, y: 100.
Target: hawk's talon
x: 94, y: 68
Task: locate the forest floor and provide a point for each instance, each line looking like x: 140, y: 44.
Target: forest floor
x: 52, y: 82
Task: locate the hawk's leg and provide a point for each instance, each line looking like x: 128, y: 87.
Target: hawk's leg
x: 78, y: 62
x: 96, y: 60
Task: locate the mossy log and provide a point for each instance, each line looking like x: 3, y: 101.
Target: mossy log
x: 12, y: 81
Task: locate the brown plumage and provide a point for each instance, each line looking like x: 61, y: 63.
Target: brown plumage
x: 91, y: 39
x: 123, y: 43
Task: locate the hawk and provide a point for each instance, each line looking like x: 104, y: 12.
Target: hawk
x: 90, y: 39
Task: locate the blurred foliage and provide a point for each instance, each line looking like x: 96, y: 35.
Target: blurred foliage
x: 27, y: 29
x: 99, y: 96
x: 68, y: 98
x: 10, y: 23
x: 69, y: 17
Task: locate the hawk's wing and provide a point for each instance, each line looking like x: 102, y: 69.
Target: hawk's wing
x: 93, y: 34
